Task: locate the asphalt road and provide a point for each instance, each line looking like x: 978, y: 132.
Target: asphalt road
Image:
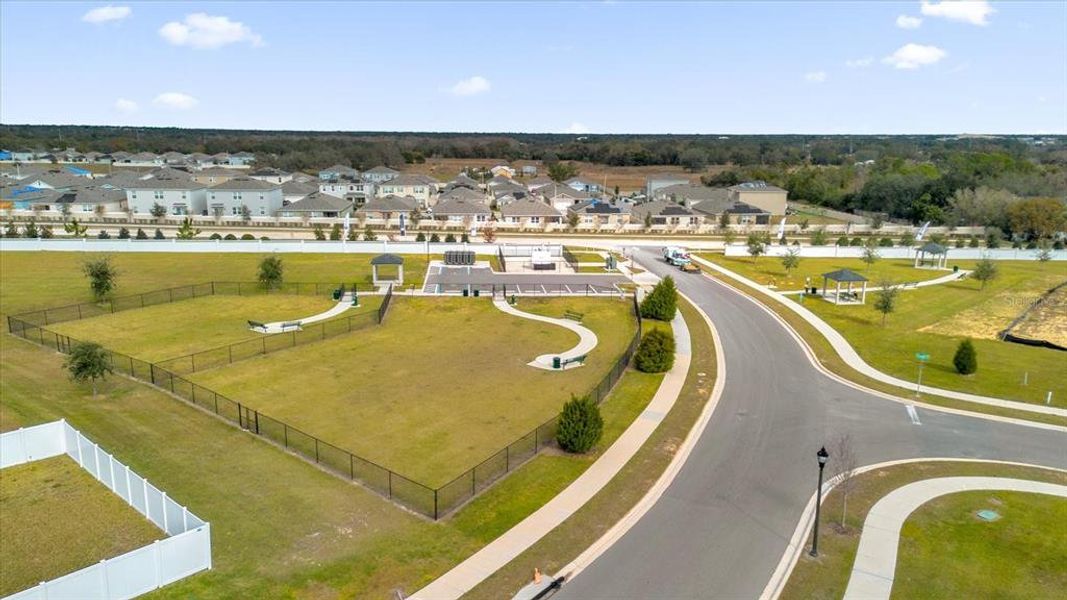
x: 721, y: 527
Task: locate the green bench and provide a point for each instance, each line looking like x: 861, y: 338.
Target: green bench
x: 256, y: 325
x: 574, y: 316
x: 290, y: 325
x: 559, y: 363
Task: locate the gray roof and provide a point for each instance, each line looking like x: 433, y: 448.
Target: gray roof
x: 464, y: 179
x: 597, y: 207
x: 268, y: 172
x: 661, y: 208
x: 92, y: 195
x: 292, y: 188
x: 318, y: 202
x: 755, y: 186
x: 390, y: 203
x: 382, y: 170
x: 462, y: 193
x: 844, y: 276
x: 933, y: 248
x: 693, y: 193
x: 239, y: 184
x: 165, y: 183
x: 58, y: 179
x: 461, y: 206
x: 119, y: 179
x: 668, y: 177
x: 168, y: 173
x: 528, y: 207
x: 339, y: 169
x: 559, y: 189
x: 719, y: 206
x: 387, y: 259
x: 540, y: 180
x: 218, y: 171
x: 412, y: 179
x: 143, y: 157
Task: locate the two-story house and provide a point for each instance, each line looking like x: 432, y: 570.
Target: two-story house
x: 229, y: 198
x: 178, y: 195
x: 380, y: 174
x: 420, y: 187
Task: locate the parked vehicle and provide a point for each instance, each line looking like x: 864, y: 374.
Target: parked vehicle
x: 689, y: 267
x: 676, y: 256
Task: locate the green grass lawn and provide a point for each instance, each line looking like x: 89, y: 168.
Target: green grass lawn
x: 179, y: 328
x: 36, y: 280
x: 441, y: 386
x: 946, y: 551
x: 767, y: 269
x: 55, y: 518
x: 825, y: 577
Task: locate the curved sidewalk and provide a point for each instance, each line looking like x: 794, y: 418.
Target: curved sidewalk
x: 853, y: 359
x: 469, y: 573
x: 876, y: 558
x: 587, y: 339
x: 953, y: 276
x: 340, y: 307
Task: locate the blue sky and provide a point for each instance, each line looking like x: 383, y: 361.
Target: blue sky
x: 599, y: 67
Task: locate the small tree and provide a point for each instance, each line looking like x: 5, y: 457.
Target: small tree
x: 31, y: 230
x: 791, y: 260
x: 985, y: 270
x: 842, y: 241
x: 270, y: 271
x: 1044, y: 251
x: 88, y: 361
x: 580, y: 425
x: 756, y: 245
x: 369, y: 235
x: 724, y: 221
x: 124, y: 234
x: 187, y: 231
x: 434, y: 238
x: 46, y: 232
x: 103, y: 235
x: 450, y: 238
x: 648, y: 220
x: 102, y: 275
x: 907, y: 239
x: 75, y: 229
x: 966, y: 358
x: 248, y: 237
x: 846, y: 462
x: 420, y: 237
x: 870, y: 254
x: 158, y: 234
x: 11, y: 230
x: 804, y: 224
x: 246, y: 213
x: 572, y: 219
x: 464, y: 237
x: 335, y: 232
x: 885, y: 299
x: 662, y: 302
x: 655, y: 353
x: 215, y: 236
x: 729, y: 236
x: 320, y: 235
x: 488, y: 235
x: 141, y: 235
x: 158, y: 210
x: 819, y: 237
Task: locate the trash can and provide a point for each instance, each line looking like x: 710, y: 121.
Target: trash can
x: 337, y: 294
x: 477, y: 292
x: 556, y: 362
x: 955, y: 268
x: 466, y: 292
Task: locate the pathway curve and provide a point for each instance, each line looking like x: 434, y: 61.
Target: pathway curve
x: 464, y: 576
x: 876, y: 558
x: 853, y: 359
x: 276, y: 327
x: 587, y: 339
x: 903, y: 286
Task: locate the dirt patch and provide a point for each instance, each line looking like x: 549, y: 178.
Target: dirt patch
x: 987, y: 319
x: 1047, y: 321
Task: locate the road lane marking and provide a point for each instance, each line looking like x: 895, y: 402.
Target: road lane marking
x: 913, y: 415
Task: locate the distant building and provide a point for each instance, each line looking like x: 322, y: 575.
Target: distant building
x: 271, y: 175
x: 380, y: 174
x: 583, y: 185
x: 261, y: 198
x: 760, y: 194
x: 502, y: 171
x: 317, y: 204
x: 528, y: 211
x: 662, y: 180
x: 242, y: 159
x: 337, y: 172
x: 180, y: 196
x: 420, y: 187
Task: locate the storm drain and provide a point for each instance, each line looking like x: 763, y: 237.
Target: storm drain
x: 988, y: 515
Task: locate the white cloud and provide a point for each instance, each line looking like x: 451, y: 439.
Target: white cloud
x: 913, y: 56
x: 126, y: 106
x: 205, y: 32
x: 859, y: 63
x: 103, y: 14
x: 175, y: 100
x: 975, y: 12
x: 576, y: 128
x: 908, y: 22
x: 471, y: 86
x: 815, y: 76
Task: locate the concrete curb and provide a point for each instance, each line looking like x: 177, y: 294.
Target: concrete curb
x: 791, y: 555
x: 850, y: 356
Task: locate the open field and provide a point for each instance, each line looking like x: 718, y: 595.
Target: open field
x: 178, y: 328
x: 826, y: 577
x: 56, y: 518
x: 768, y: 270
x: 35, y: 280
x: 453, y: 370
x: 1048, y: 321
x: 948, y: 552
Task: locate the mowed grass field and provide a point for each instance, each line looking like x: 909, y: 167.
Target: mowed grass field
x: 441, y: 386
x: 768, y: 270
x: 178, y: 328
x: 36, y: 280
x: 946, y: 551
x: 55, y: 518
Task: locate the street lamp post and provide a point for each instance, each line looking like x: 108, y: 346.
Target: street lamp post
x: 823, y: 456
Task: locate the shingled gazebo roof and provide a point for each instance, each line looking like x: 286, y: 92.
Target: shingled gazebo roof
x: 844, y: 276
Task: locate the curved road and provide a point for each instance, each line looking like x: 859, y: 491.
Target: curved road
x: 723, y: 524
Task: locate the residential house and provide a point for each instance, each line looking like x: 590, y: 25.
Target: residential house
x: 317, y: 204
x: 229, y: 198
x: 530, y: 212
x: 538, y: 182
x: 271, y: 175
x: 222, y: 158
x: 242, y: 159
x: 118, y: 157
x: 22, y: 197
x: 56, y: 180
x: 529, y: 171
x: 389, y: 207
x: 665, y: 212
x: 357, y: 190
x: 294, y: 191
x: 179, y: 195
x: 380, y: 174
x: 23, y: 155
x: 598, y: 213
x: 173, y: 158
x: 95, y: 157
x: 502, y: 171
x: 201, y: 160
x: 561, y: 196
x: 464, y: 193
x: 215, y: 175
x: 662, y: 180
x: 464, y: 180
x: 337, y: 172
x: 738, y: 212
x: 92, y: 200
x: 143, y: 159
x: 583, y: 185
x: 499, y: 180
x: 511, y: 189
x: 760, y: 194
x: 118, y: 180
x: 462, y: 211
x: 688, y: 194
x: 167, y: 172
x: 420, y: 187
x: 20, y: 172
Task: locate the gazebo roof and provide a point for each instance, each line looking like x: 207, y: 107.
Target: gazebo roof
x: 387, y: 259
x: 844, y: 275
x: 933, y: 248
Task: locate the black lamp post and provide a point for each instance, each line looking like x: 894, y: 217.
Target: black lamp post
x: 823, y: 456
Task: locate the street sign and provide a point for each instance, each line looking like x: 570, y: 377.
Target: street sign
x: 922, y: 356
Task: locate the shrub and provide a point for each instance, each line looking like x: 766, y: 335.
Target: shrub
x: 270, y: 271
x: 124, y: 234
x: 434, y: 238
x: 662, y: 302
x: 842, y: 241
x: 230, y: 236
x: 966, y: 359
x: 465, y: 238
x: 655, y: 353
x: 886, y: 242
x: 450, y: 239
x: 248, y: 236
x: 421, y: 237
x: 974, y: 242
x: 103, y: 235
x: 159, y: 234
x: 580, y: 425
x: 856, y: 241
x: 216, y: 236
x: 102, y: 275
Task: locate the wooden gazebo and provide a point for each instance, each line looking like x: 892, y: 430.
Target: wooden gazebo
x: 848, y: 296
x: 931, y: 256
x: 389, y: 260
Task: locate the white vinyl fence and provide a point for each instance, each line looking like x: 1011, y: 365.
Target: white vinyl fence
x: 187, y: 550
x: 896, y: 252
x: 257, y: 246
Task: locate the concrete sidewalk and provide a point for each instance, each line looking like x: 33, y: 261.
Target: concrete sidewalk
x: 587, y: 340
x: 903, y: 286
x: 853, y: 359
x: 276, y: 327
x: 465, y: 576
x: 876, y: 558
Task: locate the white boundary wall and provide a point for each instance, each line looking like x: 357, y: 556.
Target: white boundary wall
x: 896, y: 252
x: 187, y: 550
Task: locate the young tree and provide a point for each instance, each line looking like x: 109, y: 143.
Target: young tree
x: 655, y: 353
x: 966, y: 358
x: 662, y: 302
x: 434, y: 238
x: 729, y: 237
x: 420, y: 237
x: 756, y: 245
x: 450, y: 238
x: 724, y: 221
x: 561, y: 171
x: 572, y: 219
x: 464, y: 237
x: 75, y: 229
x: 846, y: 463
x: 88, y: 361
x: 335, y: 232
x: 158, y: 210
x: 46, y: 232
x: 369, y: 235
x: 320, y: 235
x: 103, y: 235
x: 31, y: 230
x: 187, y: 231
x: 270, y: 271
x: 580, y: 425
x: 985, y: 270
x: 11, y: 230
x: 353, y: 235
x: 488, y: 235
x: 907, y: 239
x: 102, y: 275
x: 885, y: 299
x: 791, y: 260
x: 870, y: 254
x: 141, y: 235
x: 1044, y: 251
x: 804, y: 224
x: 648, y: 220
x: 246, y: 213
x: 158, y: 234
x: 124, y: 233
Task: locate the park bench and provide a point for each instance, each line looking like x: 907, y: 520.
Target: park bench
x: 560, y: 363
x: 256, y: 325
x: 574, y: 316
x: 286, y: 326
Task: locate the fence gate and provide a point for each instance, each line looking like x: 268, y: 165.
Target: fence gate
x: 248, y: 418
